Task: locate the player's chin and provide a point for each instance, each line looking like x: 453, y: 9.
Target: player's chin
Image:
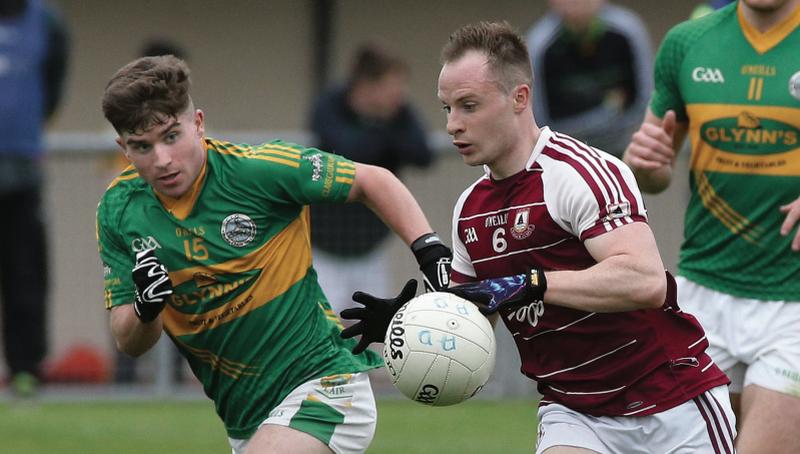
x: 171, y: 190
x: 471, y: 159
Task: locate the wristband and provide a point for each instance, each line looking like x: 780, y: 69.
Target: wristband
x: 428, y: 239
x: 537, y: 283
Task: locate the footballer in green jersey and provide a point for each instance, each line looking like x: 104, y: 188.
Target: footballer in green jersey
x: 239, y: 259
x: 209, y: 241
x: 739, y: 92
x: 730, y: 81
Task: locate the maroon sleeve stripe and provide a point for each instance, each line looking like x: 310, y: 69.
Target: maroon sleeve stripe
x: 595, y: 173
x: 631, y: 198
x: 592, y: 160
x: 597, y: 157
x: 612, y: 171
x: 595, y: 188
x: 458, y: 278
x: 616, y: 175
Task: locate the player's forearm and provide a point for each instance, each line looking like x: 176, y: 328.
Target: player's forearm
x: 389, y: 198
x: 653, y: 181
x: 130, y: 334
x: 617, y: 284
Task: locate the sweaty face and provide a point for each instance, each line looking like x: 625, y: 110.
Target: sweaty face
x: 480, y: 116
x: 168, y: 156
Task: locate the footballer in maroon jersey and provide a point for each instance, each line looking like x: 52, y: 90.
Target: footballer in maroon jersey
x: 598, y: 327
x: 554, y: 240
x: 602, y: 363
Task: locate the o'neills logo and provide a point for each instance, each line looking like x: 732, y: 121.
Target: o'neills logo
x: 238, y: 230
x: 748, y: 134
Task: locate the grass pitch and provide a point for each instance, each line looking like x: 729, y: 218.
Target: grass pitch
x: 475, y: 426
x: 404, y: 426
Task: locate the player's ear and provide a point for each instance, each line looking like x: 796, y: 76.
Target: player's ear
x: 122, y: 147
x: 521, y: 97
x: 199, y: 121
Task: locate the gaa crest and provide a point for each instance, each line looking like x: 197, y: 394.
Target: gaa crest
x: 238, y: 230
x: 794, y: 85
x: 521, y: 228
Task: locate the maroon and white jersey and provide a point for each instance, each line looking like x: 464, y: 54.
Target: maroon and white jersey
x: 605, y: 364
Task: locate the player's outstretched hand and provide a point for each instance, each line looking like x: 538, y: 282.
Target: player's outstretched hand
x: 375, y: 316
x: 152, y: 286
x: 491, y: 295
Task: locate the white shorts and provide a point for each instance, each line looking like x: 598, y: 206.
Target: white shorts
x: 338, y: 410
x: 705, y: 424
x: 752, y: 341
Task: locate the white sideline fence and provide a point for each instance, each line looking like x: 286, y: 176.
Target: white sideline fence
x: 78, y: 172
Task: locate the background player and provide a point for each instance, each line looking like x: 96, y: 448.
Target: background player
x: 731, y: 81
x: 240, y: 299
x: 593, y: 314
x: 592, y: 61
x: 368, y: 119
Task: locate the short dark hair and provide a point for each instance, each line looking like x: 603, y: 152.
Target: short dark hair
x: 505, y: 50
x: 371, y: 63
x: 146, y: 92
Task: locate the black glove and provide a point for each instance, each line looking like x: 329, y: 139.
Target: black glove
x: 152, y: 286
x: 492, y: 295
x: 375, y: 316
x: 434, y: 261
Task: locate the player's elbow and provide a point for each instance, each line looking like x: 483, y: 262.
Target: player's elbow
x: 130, y: 349
x: 651, y: 290
x: 652, y: 187
x: 655, y: 181
x: 370, y: 182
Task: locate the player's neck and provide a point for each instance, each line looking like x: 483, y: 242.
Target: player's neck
x: 517, y: 158
x: 763, y: 21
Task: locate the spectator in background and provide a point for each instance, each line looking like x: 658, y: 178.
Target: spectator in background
x: 730, y: 81
x: 33, y: 65
x: 367, y: 119
x: 592, y: 65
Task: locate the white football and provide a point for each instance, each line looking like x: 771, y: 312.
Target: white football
x: 439, y: 349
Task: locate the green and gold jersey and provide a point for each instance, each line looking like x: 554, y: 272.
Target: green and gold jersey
x: 739, y: 90
x: 247, y: 311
